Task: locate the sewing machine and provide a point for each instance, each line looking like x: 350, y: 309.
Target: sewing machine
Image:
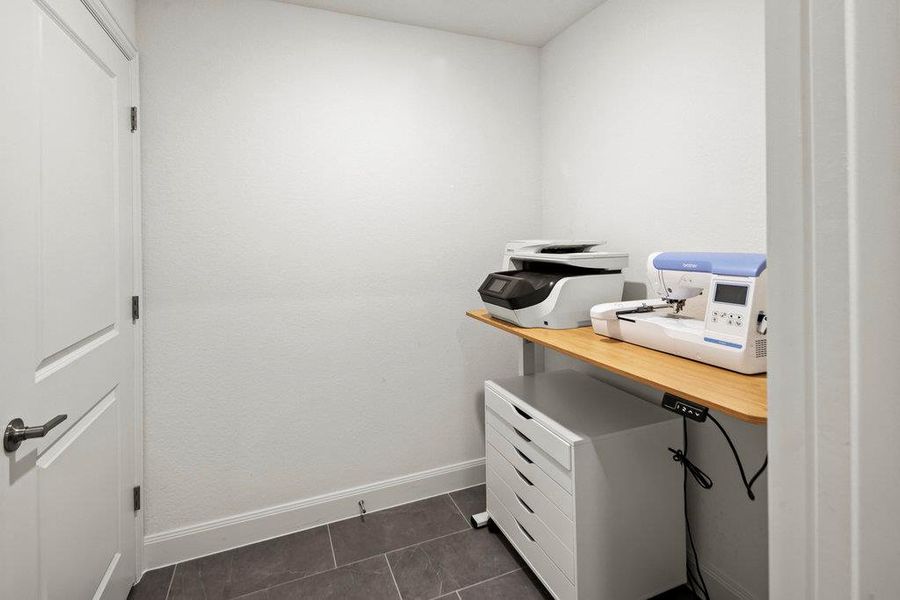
x: 710, y: 308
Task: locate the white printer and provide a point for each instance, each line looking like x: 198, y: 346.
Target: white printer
x: 553, y: 283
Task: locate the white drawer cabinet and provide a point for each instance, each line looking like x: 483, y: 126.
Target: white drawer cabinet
x: 581, y: 482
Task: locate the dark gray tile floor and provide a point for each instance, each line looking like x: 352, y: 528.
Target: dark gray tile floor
x: 379, y: 532
x: 424, y: 550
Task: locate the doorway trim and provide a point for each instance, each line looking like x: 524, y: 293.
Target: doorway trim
x: 113, y: 29
x: 833, y: 178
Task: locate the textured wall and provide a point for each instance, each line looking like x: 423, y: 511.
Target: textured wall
x: 322, y: 195
x: 653, y: 137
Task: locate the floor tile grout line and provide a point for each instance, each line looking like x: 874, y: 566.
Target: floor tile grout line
x: 349, y: 564
x: 171, y: 580
x: 334, y: 556
x: 328, y: 570
x: 331, y: 541
x: 431, y: 539
x: 408, y: 546
x: 460, y: 511
x: 280, y: 583
x: 471, y: 585
x: 394, y: 578
x: 486, y: 580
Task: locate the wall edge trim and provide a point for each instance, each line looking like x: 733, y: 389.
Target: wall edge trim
x: 722, y: 586
x: 186, y: 543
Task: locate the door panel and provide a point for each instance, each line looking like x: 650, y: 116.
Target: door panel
x: 78, y: 194
x: 67, y: 346
x: 91, y: 446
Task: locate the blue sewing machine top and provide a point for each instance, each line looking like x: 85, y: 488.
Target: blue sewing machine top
x: 736, y: 264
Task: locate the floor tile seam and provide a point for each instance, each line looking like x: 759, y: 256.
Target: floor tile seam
x: 334, y: 556
x: 393, y: 577
x: 460, y: 511
x: 275, y: 585
x: 171, y: 581
x: 462, y: 589
x: 407, y: 547
x: 331, y: 541
x: 267, y: 588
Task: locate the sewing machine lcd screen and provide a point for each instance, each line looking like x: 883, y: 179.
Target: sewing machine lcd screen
x: 731, y: 294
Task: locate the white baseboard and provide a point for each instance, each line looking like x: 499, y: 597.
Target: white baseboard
x: 723, y: 587
x: 177, y: 545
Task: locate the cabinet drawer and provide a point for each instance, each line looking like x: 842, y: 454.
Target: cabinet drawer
x: 558, y: 584
x: 529, y: 451
x: 538, y: 435
x: 537, y: 530
x: 500, y: 446
x: 558, y: 523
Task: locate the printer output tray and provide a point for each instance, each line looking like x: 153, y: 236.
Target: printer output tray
x: 522, y: 288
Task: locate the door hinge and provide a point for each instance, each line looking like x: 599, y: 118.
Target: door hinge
x: 135, y: 308
x: 134, y: 118
x: 137, y: 498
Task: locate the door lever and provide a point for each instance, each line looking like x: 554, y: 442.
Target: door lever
x: 16, y: 432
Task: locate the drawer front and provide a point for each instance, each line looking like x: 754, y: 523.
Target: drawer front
x: 558, y: 584
x: 558, y: 495
x: 537, y: 530
x: 530, y: 452
x: 558, y: 523
x: 537, y: 434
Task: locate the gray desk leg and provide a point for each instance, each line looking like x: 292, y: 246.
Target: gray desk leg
x: 531, y: 360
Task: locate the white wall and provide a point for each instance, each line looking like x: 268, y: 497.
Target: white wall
x: 322, y: 195
x: 653, y: 137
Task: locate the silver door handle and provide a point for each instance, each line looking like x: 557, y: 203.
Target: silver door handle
x: 16, y: 432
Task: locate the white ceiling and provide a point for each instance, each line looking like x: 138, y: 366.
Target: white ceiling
x: 531, y: 22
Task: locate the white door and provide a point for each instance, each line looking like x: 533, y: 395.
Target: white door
x: 66, y: 335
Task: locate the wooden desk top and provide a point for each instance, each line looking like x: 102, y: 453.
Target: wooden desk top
x: 741, y: 396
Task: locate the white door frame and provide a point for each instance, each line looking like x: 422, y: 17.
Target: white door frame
x: 120, y: 38
x: 833, y: 152
x: 138, y: 290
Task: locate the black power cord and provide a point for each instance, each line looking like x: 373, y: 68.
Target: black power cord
x: 737, y: 459
x: 704, y: 481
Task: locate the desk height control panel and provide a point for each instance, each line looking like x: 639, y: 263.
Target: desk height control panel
x: 684, y: 408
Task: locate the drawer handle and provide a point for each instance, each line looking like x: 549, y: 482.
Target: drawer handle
x: 522, y: 477
x: 522, y: 502
x: 525, y: 531
x: 525, y: 458
x: 522, y: 412
x: 522, y: 435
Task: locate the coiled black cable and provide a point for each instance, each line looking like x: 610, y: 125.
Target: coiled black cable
x: 702, y: 478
